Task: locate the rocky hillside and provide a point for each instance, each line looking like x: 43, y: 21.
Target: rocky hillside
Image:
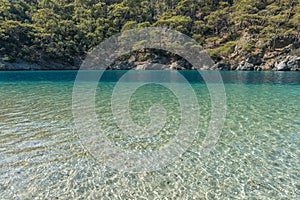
x: 239, y: 34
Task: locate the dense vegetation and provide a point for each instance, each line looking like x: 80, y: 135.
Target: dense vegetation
x: 65, y: 30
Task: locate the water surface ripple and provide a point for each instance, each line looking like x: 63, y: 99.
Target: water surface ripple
x: 257, y: 156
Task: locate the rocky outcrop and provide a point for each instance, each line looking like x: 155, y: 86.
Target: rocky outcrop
x: 283, y: 63
x: 151, y: 62
x: 124, y: 65
x: 260, y: 60
x: 282, y: 41
x: 290, y: 63
x: 251, y: 63
x: 221, y: 66
x: 282, y: 66
x: 154, y: 66
x: 23, y: 65
x: 245, y: 66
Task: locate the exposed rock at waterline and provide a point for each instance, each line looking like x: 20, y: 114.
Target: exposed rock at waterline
x: 290, y: 63
x: 252, y: 63
x: 221, y: 66
x: 23, y: 65
x: 282, y: 66
x: 245, y: 66
x: 153, y: 66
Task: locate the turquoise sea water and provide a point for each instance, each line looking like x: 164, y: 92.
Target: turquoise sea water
x: 257, y: 155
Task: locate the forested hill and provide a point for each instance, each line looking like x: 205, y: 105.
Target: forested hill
x: 257, y: 32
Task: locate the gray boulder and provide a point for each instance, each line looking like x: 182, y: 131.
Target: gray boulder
x: 255, y: 59
x: 245, y: 66
x: 122, y: 65
x: 153, y: 66
x: 294, y: 63
x: 176, y: 66
x: 220, y: 66
x: 290, y: 63
x: 282, y: 66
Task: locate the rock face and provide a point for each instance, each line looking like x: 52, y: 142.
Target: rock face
x: 282, y: 66
x: 221, y: 66
x: 154, y: 66
x: 22, y: 65
x: 245, y: 66
x: 285, y: 40
x: 125, y: 65
x: 294, y: 63
x: 151, y: 62
x: 290, y: 63
x: 277, y: 60
x: 251, y: 63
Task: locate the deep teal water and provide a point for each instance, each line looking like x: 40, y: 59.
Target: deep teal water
x: 192, y: 76
x: 257, y: 155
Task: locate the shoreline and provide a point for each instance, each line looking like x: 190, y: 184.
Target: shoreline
x: 67, y: 69
x: 289, y: 63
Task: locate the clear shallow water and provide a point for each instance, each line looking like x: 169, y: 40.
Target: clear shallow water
x: 257, y: 155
